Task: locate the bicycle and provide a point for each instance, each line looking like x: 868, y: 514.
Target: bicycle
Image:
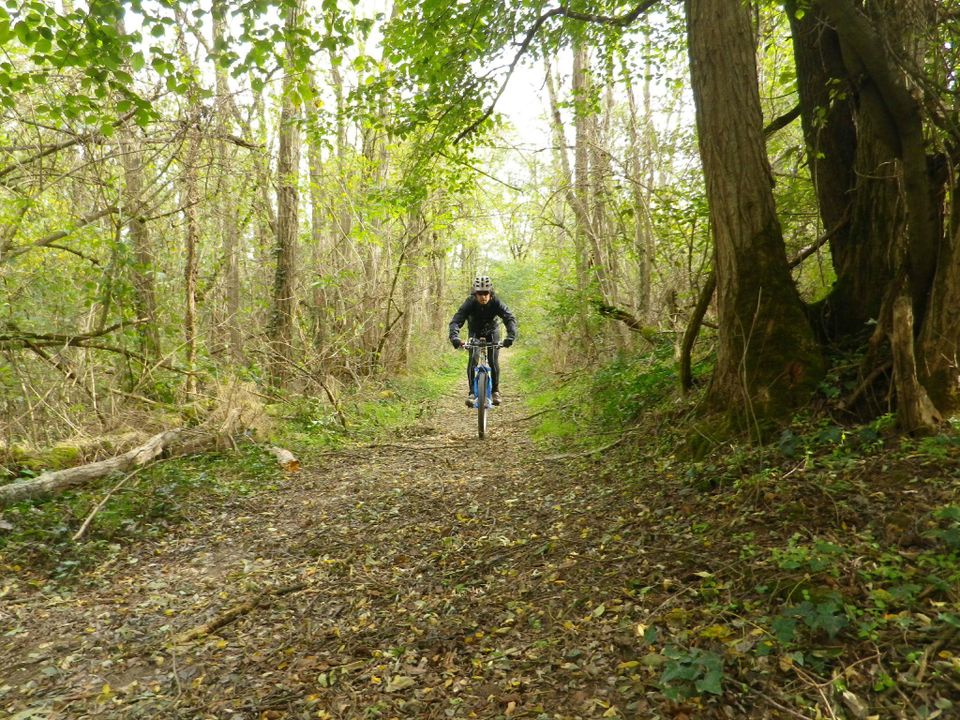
x: 482, y: 386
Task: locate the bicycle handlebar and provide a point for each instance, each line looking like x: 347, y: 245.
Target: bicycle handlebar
x: 474, y: 344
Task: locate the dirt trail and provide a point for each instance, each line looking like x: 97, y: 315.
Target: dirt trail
x: 434, y: 576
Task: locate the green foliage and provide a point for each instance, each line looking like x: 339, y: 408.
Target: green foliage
x: 817, y: 557
x: 691, y: 672
x: 371, y: 410
x: 824, y: 615
x: 145, y: 508
x: 949, y: 530
x: 629, y: 385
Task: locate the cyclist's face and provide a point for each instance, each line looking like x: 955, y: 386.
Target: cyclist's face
x: 482, y: 297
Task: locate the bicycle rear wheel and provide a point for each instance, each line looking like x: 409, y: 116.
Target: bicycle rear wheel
x: 482, y: 381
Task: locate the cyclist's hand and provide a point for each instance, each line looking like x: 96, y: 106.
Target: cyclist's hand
x: 456, y: 342
x: 508, y: 342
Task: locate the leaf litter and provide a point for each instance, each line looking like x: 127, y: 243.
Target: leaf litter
x: 454, y: 578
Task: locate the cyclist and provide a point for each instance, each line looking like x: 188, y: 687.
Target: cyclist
x: 480, y: 311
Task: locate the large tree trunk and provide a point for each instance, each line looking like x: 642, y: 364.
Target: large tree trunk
x: 768, y: 361
x: 827, y: 105
x: 912, y: 243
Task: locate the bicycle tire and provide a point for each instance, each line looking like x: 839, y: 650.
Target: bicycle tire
x: 482, y: 382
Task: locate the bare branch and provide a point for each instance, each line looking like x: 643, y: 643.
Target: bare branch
x: 617, y: 21
x: 20, y: 339
x: 59, y: 234
x: 782, y: 121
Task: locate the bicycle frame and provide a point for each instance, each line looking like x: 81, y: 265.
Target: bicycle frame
x: 483, y: 366
x: 482, y: 385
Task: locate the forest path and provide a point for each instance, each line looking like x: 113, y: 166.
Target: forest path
x: 434, y: 576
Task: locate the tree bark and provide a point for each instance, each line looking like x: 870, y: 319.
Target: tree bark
x: 227, y: 201
x: 141, y: 273
x: 890, y: 147
x: 285, y: 248
x: 827, y: 108
x: 915, y: 411
x: 768, y: 361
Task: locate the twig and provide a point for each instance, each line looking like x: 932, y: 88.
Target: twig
x: 942, y: 641
x: 602, y: 448
x: 786, y: 709
x: 86, y: 523
x: 531, y: 417
x: 848, y: 401
x: 237, y: 611
x: 618, y: 21
x: 176, y: 672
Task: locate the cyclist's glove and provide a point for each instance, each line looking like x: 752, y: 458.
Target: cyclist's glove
x: 456, y: 342
x: 508, y: 342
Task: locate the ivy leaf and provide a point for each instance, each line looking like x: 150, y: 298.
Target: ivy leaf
x: 711, y: 682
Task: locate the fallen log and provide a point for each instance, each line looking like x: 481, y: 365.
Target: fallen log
x: 57, y: 481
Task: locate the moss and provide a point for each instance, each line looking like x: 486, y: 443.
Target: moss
x: 57, y: 457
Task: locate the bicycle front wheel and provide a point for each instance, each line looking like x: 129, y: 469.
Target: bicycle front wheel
x: 482, y: 382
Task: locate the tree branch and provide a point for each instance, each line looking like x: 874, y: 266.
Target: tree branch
x: 25, y: 338
x: 59, y: 234
x: 782, y: 121
x: 617, y: 21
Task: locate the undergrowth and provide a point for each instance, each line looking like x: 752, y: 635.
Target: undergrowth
x: 820, y: 570
x: 585, y: 406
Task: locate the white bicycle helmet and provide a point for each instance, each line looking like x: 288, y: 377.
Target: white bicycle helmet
x: 482, y: 283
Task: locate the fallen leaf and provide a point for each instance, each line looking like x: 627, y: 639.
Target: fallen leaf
x: 399, y: 682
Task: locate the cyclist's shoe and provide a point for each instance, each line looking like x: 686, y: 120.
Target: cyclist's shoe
x: 496, y: 397
x: 471, y: 400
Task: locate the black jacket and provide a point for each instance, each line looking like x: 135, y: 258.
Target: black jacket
x: 482, y: 319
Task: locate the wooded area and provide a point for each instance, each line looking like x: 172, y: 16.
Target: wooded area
x: 291, y: 194
x: 724, y: 474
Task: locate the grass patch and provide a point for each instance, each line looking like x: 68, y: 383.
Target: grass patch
x: 616, y: 395
x: 376, y: 409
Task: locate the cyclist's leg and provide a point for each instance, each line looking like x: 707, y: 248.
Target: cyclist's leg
x: 471, y: 366
x: 494, y: 356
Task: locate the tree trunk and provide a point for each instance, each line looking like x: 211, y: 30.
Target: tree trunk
x: 643, y: 241
x: 939, y: 340
x: 144, y: 294
x: 285, y: 248
x: 189, y: 200
x: 915, y: 412
x: 227, y: 205
x: 319, y: 301
x: 585, y: 193
x: 827, y: 106
x: 134, y: 201
x: 768, y: 361
x: 875, y: 48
